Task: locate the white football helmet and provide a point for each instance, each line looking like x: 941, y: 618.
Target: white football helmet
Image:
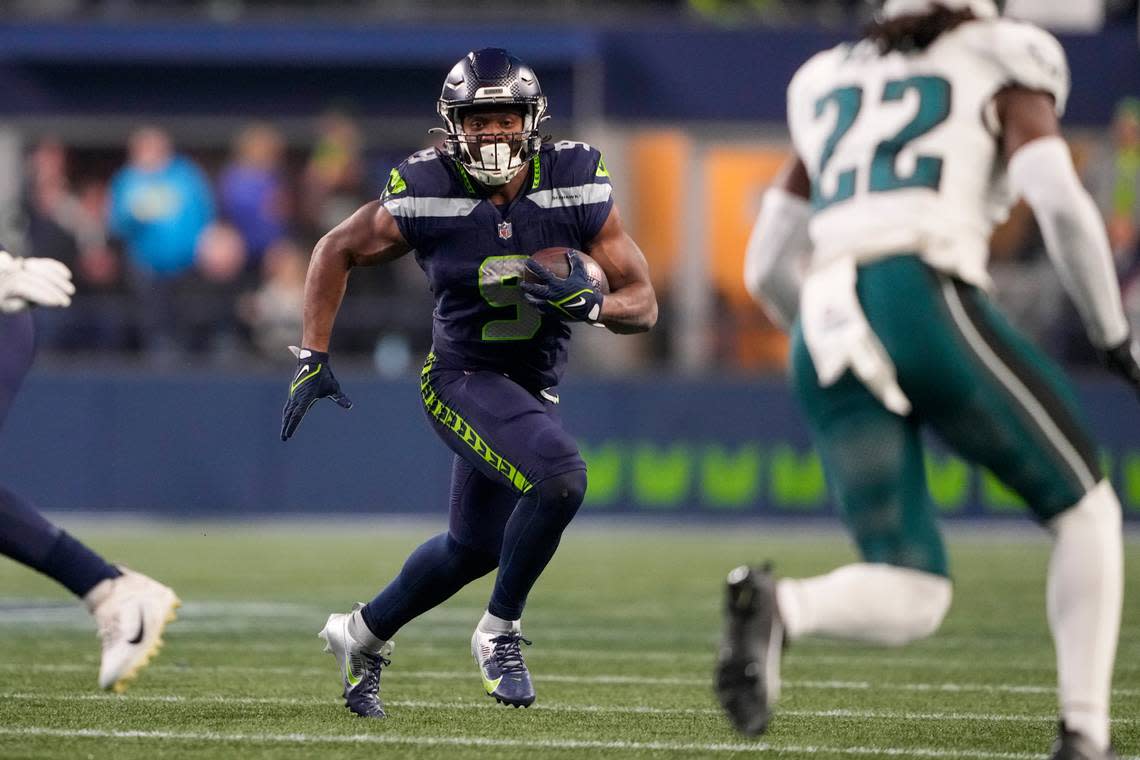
x: 895, y: 8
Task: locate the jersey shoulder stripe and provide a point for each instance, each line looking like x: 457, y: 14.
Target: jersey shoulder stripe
x: 416, y: 206
x: 571, y: 164
x: 578, y: 195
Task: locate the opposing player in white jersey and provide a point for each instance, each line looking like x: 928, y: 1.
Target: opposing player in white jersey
x: 872, y: 246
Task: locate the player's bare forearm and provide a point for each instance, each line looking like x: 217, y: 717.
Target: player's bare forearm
x: 324, y: 290
x: 632, y: 309
x: 370, y: 236
x: 631, y: 306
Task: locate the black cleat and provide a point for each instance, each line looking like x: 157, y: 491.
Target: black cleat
x: 747, y: 679
x: 1069, y: 745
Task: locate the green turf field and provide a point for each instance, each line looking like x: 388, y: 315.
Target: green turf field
x: 624, y: 625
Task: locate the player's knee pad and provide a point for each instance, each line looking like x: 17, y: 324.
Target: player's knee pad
x: 563, y: 493
x: 555, y: 450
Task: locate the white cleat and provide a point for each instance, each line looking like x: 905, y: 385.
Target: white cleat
x: 359, y: 668
x: 500, y: 662
x: 131, y: 612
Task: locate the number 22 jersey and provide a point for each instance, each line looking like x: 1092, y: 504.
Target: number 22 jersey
x: 473, y: 253
x: 903, y: 149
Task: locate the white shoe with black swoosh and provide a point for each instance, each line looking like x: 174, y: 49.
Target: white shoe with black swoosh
x: 131, y: 613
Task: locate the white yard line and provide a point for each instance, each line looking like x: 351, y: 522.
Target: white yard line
x: 839, y: 714
x: 597, y: 680
x: 537, y: 744
x: 885, y: 659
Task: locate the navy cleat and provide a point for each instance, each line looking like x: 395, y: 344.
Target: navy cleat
x: 1070, y: 745
x: 359, y: 668
x: 501, y: 665
x: 747, y: 679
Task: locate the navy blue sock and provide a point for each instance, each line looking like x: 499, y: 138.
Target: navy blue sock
x: 531, y: 537
x: 432, y: 574
x: 27, y: 537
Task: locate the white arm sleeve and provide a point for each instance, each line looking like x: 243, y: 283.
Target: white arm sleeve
x: 1042, y: 172
x: 777, y: 250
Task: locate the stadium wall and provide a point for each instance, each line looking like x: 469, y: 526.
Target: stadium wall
x: 663, y: 72
x: 207, y: 445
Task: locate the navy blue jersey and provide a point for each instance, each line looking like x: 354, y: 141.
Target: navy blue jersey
x: 473, y: 254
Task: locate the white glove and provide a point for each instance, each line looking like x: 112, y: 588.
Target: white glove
x: 33, y: 282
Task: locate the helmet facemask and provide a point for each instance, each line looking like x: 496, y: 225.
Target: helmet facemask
x: 493, y: 158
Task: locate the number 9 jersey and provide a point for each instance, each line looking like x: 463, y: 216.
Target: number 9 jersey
x: 903, y: 149
x: 473, y: 252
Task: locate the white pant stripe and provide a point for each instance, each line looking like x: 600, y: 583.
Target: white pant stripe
x: 1023, y: 395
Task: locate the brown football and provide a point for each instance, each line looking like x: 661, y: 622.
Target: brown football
x: 556, y: 260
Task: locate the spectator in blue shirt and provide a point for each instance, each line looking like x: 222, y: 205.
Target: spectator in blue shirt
x: 159, y: 204
x: 252, y: 191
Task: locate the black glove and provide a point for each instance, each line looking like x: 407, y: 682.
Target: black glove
x: 1124, y: 360
x: 312, y: 382
x: 573, y: 297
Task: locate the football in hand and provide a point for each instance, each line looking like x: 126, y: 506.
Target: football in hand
x: 558, y: 262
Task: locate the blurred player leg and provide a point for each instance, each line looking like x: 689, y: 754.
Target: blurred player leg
x: 874, y: 462
x: 27, y: 537
x: 1038, y: 445
x: 1002, y: 404
x: 900, y: 592
x: 130, y: 609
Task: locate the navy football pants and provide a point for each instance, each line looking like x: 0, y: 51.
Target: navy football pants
x: 25, y: 535
x: 516, y: 482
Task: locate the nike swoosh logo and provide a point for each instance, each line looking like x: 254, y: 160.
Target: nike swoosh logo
x: 490, y: 685
x: 300, y: 372
x: 142, y: 628
x: 352, y: 680
x: 301, y: 378
x: 579, y: 301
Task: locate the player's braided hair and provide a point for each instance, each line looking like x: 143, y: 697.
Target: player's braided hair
x: 910, y: 33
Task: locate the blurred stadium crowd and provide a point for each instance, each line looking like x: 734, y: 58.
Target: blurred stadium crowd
x: 209, y: 259
x: 178, y: 254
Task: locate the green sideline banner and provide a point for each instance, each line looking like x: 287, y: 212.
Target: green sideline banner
x: 780, y: 478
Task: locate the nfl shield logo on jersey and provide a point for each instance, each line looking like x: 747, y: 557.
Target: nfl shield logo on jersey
x: 505, y: 230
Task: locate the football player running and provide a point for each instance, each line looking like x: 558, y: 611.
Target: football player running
x: 471, y: 211
x: 130, y: 609
x: 872, y: 245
